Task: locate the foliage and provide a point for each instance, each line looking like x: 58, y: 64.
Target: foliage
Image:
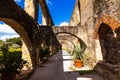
x: 1, y: 41
x: 44, y: 52
x: 11, y: 60
x: 78, y: 52
x: 15, y: 40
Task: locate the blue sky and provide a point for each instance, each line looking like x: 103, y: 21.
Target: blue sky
x: 60, y: 10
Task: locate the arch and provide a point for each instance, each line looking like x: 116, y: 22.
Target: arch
x: 23, y: 24
x: 69, y: 45
x: 72, y: 44
x: 80, y: 41
x: 108, y: 43
x: 18, y: 28
x: 13, y: 15
x: 67, y: 33
x: 69, y: 41
x: 109, y: 20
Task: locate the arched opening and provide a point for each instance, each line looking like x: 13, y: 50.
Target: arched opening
x: 67, y: 45
x: 9, y: 36
x: 74, y: 40
x: 108, y: 43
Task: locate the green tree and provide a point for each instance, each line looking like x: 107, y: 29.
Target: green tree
x: 15, y: 40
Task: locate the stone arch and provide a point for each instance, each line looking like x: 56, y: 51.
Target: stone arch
x: 23, y: 24
x: 78, y: 40
x: 109, y: 20
x: 105, y: 32
x: 67, y: 33
x: 69, y: 41
x: 17, y: 27
x: 71, y: 45
x: 108, y: 43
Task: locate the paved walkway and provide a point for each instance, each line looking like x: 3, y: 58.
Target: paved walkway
x: 53, y: 70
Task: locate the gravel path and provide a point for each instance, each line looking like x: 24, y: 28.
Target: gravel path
x: 53, y: 70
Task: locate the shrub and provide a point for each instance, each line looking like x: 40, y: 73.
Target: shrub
x: 44, y: 52
x: 10, y: 61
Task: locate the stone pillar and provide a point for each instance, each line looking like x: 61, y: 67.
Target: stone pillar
x: 26, y: 56
x: 46, y: 17
x: 31, y: 7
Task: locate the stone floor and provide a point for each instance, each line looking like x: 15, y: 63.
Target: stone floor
x: 53, y: 70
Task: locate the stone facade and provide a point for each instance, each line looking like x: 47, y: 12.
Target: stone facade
x: 101, y: 19
x: 97, y: 24
x: 76, y: 15
x: 31, y: 7
x: 20, y: 21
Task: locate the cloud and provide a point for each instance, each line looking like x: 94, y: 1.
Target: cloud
x: 7, y: 32
x: 48, y: 2
x: 4, y: 28
x: 17, y: 0
x: 4, y: 37
x: 64, y: 24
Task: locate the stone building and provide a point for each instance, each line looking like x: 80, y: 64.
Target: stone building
x: 100, y: 19
x: 96, y: 22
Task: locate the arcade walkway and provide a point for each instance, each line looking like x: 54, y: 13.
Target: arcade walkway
x: 53, y: 70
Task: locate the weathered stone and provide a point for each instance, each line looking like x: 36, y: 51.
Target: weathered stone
x: 92, y: 15
x: 96, y: 22
x: 46, y: 17
x: 31, y: 7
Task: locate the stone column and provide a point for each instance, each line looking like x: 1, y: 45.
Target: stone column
x: 46, y: 17
x: 31, y: 7
x: 26, y: 56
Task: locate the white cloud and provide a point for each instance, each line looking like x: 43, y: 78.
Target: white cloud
x: 7, y: 32
x: 4, y: 28
x: 48, y: 2
x: 17, y: 0
x: 64, y: 24
x: 4, y: 37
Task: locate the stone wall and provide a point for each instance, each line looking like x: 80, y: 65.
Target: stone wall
x: 99, y: 23
x: 108, y: 71
x: 48, y: 38
x: 106, y: 24
x: 68, y: 29
x: 84, y: 11
x: 76, y: 15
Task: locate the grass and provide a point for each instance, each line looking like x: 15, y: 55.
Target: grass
x: 86, y: 72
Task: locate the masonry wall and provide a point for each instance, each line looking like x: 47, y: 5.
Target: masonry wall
x: 48, y: 39
x: 107, y: 13
x: 104, y: 43
x: 84, y: 11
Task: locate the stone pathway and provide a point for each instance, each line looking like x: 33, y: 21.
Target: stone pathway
x: 53, y: 70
